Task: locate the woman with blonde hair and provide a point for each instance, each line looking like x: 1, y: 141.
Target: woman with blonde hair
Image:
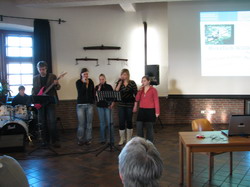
x: 104, y: 109
x: 128, y: 91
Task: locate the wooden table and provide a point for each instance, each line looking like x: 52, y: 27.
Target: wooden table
x: 214, y: 141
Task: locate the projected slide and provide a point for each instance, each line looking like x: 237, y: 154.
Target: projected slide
x: 225, y: 43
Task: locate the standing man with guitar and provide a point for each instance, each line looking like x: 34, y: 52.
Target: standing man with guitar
x: 47, y: 115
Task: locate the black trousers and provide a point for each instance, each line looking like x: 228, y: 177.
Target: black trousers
x: 47, y: 118
x: 149, y: 126
x: 125, y: 116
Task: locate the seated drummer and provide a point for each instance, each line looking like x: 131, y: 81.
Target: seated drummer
x: 21, y: 98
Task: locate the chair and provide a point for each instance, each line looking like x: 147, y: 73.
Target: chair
x: 205, y: 125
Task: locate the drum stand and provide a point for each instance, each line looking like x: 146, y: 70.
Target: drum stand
x: 41, y: 141
x: 41, y: 100
x: 13, y: 117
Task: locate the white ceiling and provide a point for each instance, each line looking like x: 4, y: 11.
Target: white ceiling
x: 126, y: 5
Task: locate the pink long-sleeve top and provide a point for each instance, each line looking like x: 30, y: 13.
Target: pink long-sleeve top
x: 149, y: 99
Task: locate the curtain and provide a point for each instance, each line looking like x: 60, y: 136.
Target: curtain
x: 42, y: 43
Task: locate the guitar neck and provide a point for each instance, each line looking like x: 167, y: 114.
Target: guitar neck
x: 49, y: 88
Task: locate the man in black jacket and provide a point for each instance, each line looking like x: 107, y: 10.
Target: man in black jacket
x: 47, y: 114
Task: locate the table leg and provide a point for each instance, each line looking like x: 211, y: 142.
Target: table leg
x: 188, y: 160
x: 231, y: 163
x: 181, y: 161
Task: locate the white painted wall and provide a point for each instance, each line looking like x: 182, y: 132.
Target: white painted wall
x: 108, y: 25
x: 184, y: 51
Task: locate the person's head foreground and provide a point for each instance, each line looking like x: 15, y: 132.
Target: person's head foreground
x: 140, y: 164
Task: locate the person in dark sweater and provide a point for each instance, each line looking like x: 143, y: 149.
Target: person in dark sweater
x: 85, y: 101
x: 21, y: 98
x: 47, y: 113
x: 128, y: 91
x: 104, y: 111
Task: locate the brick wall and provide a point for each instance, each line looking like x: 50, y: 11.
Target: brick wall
x: 173, y: 111
x: 183, y: 111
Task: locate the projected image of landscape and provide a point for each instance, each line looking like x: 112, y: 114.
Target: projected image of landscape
x: 219, y: 34
x: 225, y: 43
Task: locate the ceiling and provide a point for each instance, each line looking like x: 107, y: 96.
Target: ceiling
x: 126, y: 5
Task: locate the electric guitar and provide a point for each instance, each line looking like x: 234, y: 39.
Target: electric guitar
x: 44, y: 92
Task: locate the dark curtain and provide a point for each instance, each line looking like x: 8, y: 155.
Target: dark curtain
x: 42, y: 43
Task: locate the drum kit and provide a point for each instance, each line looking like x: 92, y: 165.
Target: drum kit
x: 17, y: 120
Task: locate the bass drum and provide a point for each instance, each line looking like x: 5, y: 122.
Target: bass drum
x: 14, y: 127
x: 2, y: 122
x: 13, y: 135
x: 21, y: 112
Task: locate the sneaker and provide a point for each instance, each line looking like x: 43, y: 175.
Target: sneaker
x: 88, y: 143
x: 112, y: 143
x: 80, y: 143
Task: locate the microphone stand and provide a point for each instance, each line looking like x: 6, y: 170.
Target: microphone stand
x: 109, y: 97
x: 44, y: 100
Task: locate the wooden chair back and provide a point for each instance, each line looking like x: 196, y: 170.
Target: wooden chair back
x: 201, y: 125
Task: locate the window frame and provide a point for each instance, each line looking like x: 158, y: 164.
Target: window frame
x: 4, y: 59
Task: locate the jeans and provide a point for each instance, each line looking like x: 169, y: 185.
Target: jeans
x: 125, y: 115
x: 85, y: 118
x: 149, y: 129
x: 106, y: 117
x: 47, y: 119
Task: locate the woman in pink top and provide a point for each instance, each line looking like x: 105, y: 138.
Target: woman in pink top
x: 149, y: 108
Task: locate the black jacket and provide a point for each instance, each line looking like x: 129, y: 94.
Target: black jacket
x: 128, y: 94
x: 21, y: 100
x: 104, y: 87
x: 85, y: 95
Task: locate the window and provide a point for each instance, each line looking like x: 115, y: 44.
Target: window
x: 18, y: 62
x: 18, y: 46
x: 20, y: 74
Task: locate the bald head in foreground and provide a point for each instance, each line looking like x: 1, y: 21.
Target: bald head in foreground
x: 140, y: 164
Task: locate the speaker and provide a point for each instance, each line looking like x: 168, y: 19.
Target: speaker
x: 12, y: 143
x: 247, y: 107
x: 153, y: 72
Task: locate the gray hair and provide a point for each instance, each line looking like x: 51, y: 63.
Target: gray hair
x: 42, y: 64
x: 140, y: 164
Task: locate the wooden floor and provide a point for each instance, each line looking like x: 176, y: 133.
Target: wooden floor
x: 78, y: 165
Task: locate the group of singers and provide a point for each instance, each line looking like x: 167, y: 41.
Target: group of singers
x: 146, y: 96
